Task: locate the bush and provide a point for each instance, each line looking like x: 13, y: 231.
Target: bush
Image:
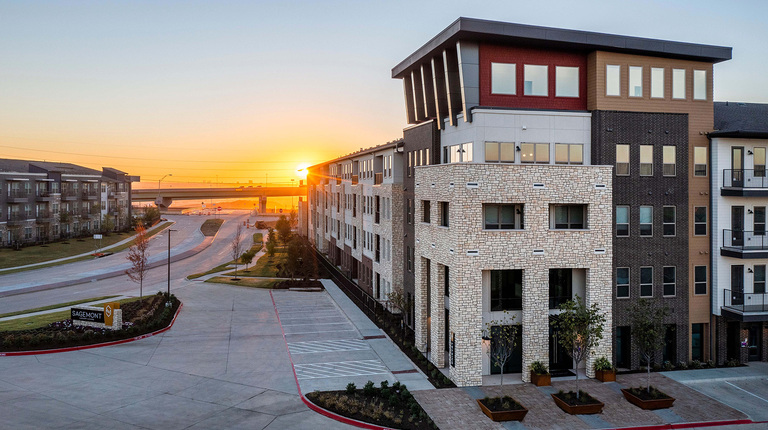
x: 668, y: 366
x: 733, y: 363
x: 351, y: 388
x: 369, y: 389
x: 696, y: 364
x: 711, y: 364
x: 539, y: 368
x: 682, y: 365
x: 603, y: 364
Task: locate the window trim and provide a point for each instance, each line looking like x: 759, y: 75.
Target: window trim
x: 641, y: 160
x: 755, y: 281
x: 663, y: 92
x: 664, y: 284
x: 695, y: 282
x: 695, y: 223
x: 518, y: 211
x: 641, y: 280
x: 640, y: 223
x: 628, y: 284
x: 628, y: 164
x: 553, y: 209
x: 578, y: 81
x: 629, y: 211
x: 426, y: 207
x: 629, y: 82
x: 664, y: 164
x: 444, y: 212
x: 706, y: 162
x: 703, y: 82
x: 514, y: 79
x: 617, y: 67
x: 535, y: 152
x: 498, y: 149
x: 546, y: 77
x: 568, y: 153
x: 685, y: 95
x: 664, y: 223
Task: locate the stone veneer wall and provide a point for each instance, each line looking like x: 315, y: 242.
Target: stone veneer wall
x: 498, y: 183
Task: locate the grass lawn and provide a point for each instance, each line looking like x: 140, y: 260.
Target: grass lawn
x: 45, y: 308
x: 265, y: 266
x: 257, y: 244
x: 245, y: 282
x: 211, y: 226
x: 43, y: 320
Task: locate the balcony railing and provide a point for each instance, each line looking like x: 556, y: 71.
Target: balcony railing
x: 18, y: 194
x: 15, y: 217
x: 745, y: 302
x: 378, y: 178
x: 745, y: 240
x: 745, y: 178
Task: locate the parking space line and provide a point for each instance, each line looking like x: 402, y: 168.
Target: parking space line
x: 748, y: 392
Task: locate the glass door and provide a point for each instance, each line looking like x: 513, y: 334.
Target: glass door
x: 737, y: 166
x: 737, y: 226
x: 737, y: 285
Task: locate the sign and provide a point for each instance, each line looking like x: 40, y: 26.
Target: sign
x: 453, y: 349
x: 219, y: 208
x: 281, y: 211
x: 109, y: 312
x: 97, y: 236
x: 203, y: 203
x: 86, y: 315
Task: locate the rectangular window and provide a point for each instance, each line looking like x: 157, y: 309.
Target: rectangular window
x: 535, y: 153
x: 612, y: 80
x: 503, y: 216
x: 646, y: 220
x: 568, y: 216
x: 566, y: 81
x: 536, y: 81
x: 646, y: 282
x: 446, y: 281
x: 503, y: 78
x: 409, y: 263
x: 569, y: 153
x: 700, y: 221
x: 622, y: 220
x: 646, y: 160
x: 506, y: 290
x: 697, y: 345
x: 425, y: 207
x: 499, y: 152
x: 669, y: 215
x: 657, y: 83
x: 409, y: 211
x: 678, y: 83
x: 759, y: 162
x: 759, y: 224
x: 622, y: 160
x: 622, y: 282
x: 443, y: 214
x: 460, y: 153
x: 758, y: 286
x: 700, y: 280
x: 635, y: 81
x: 700, y: 161
x: 466, y: 152
x: 670, y: 275
x: 669, y: 158
x: 410, y: 163
x: 699, y: 84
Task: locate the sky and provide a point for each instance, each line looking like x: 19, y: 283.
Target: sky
x: 239, y: 91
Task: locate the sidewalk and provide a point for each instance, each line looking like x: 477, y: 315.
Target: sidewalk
x: 50, y: 311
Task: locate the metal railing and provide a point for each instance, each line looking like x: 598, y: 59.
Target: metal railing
x: 378, y: 178
x: 18, y: 194
x: 745, y: 178
x: 745, y: 302
x: 745, y: 240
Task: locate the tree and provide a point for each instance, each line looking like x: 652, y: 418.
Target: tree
x: 648, y: 331
x: 283, y: 227
x: 236, y: 246
x: 293, y: 218
x: 108, y: 224
x: 580, y: 328
x: 138, y: 255
x: 300, y: 260
x: 271, y: 238
x: 151, y: 215
x: 398, y: 301
x: 247, y: 258
x: 503, y: 336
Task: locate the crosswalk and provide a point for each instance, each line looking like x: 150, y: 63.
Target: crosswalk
x: 340, y: 369
x: 328, y: 346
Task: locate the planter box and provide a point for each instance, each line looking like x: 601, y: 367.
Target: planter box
x: 648, y: 404
x: 541, y: 380
x: 594, y: 408
x: 605, y: 375
x: 516, y: 415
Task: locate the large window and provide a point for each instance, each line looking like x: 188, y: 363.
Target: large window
x: 425, y: 209
x: 646, y: 160
x: 503, y: 216
x: 503, y: 78
x: 678, y: 83
x: 758, y: 285
x: 443, y: 214
x: 622, y: 220
x: 499, y: 152
x: 700, y: 161
x: 458, y: 153
x: 622, y: 282
x: 669, y: 160
x: 535, y: 153
x: 569, y: 153
x: 759, y: 220
x: 635, y: 81
x: 699, y: 84
x: 759, y: 160
x: 646, y: 220
x: 657, y: 83
x: 506, y: 290
x: 646, y: 282
x: 566, y: 81
x: 560, y: 287
x: 700, y: 221
x: 669, y: 215
x: 612, y: 80
x: 536, y: 82
x: 670, y: 277
x: 622, y: 160
x: 569, y: 216
x: 700, y: 280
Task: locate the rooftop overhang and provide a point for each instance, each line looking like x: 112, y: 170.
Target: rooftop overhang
x: 743, y: 134
x: 738, y: 315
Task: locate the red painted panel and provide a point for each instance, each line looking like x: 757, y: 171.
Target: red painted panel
x: 540, y: 57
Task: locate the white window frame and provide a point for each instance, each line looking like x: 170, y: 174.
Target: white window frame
x: 633, y: 72
x: 497, y: 68
x: 641, y: 280
x: 657, y: 82
x: 612, y: 89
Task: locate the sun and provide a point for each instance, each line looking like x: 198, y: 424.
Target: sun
x: 301, y: 170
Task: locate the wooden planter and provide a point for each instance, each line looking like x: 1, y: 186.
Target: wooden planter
x: 648, y: 404
x: 605, y: 375
x: 541, y: 380
x: 594, y: 408
x: 516, y: 415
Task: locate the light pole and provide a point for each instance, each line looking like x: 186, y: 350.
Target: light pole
x: 168, y: 303
x: 158, y: 184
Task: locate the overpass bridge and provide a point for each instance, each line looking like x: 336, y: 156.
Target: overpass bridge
x: 163, y: 197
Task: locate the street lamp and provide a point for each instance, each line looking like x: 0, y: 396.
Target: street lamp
x: 158, y: 183
x: 168, y: 303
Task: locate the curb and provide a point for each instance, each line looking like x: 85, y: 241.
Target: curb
x: 310, y: 405
x: 692, y: 425
x: 96, y: 345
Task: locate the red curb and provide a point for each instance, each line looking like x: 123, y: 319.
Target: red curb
x: 96, y: 345
x: 308, y: 402
x: 691, y: 425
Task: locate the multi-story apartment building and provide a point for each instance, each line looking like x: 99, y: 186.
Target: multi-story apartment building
x: 44, y: 201
x: 739, y: 197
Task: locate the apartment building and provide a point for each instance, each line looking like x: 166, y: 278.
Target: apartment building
x: 739, y: 250
x: 45, y: 201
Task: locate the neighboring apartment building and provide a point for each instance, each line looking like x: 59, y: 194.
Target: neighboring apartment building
x: 44, y: 201
x: 739, y: 242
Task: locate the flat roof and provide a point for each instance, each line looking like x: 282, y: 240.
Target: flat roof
x: 535, y: 36
x: 359, y: 153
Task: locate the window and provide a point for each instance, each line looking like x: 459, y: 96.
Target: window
x: 699, y: 84
x: 669, y: 159
x: 646, y: 220
x: 646, y: 160
x: 700, y: 221
x: 759, y: 224
x: 536, y: 82
x: 622, y: 282
x: 410, y: 163
x: 657, y: 83
x: 506, y: 290
x: 622, y: 220
x: 669, y: 281
x: 535, y: 153
x: 560, y: 287
x: 758, y: 285
x: 678, y: 83
x: 446, y: 280
x: 503, y: 217
x: 499, y: 152
x: 503, y: 78
x: 443, y: 214
x: 612, y: 80
x: 622, y: 160
x: 409, y: 210
x: 635, y: 81
x: 566, y: 81
x: 569, y: 153
x: 759, y: 160
x: 700, y: 161
x: 460, y: 153
x: 425, y: 204
x: 646, y: 282
x: 409, y: 263
x: 697, y: 346
x: 700, y: 280
x: 569, y: 216
x: 668, y: 215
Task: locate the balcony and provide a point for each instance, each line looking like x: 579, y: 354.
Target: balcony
x: 338, y: 180
x: 90, y: 195
x: 16, y: 218
x: 18, y: 196
x: 68, y: 195
x: 378, y: 178
x: 746, y: 307
x: 355, y: 179
x: 744, y: 183
x: 744, y: 244
x: 44, y: 217
x: 43, y: 196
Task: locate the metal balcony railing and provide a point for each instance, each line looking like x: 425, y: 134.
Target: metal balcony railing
x: 745, y: 240
x: 745, y: 302
x: 18, y: 194
x: 745, y: 178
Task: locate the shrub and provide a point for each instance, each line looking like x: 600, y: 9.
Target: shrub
x: 668, y: 365
x: 393, y: 400
x: 603, y: 364
x: 539, y: 368
x: 351, y: 388
x: 696, y: 364
x: 369, y: 389
x: 682, y: 365
x: 733, y: 363
x: 711, y: 363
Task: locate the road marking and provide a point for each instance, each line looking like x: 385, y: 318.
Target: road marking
x: 313, y: 324
x: 340, y: 369
x: 328, y: 346
x: 748, y: 392
x: 312, y: 332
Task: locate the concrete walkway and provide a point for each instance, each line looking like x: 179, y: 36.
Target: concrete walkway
x: 50, y: 311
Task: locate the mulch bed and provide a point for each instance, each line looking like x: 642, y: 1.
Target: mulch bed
x: 643, y: 394
x: 499, y: 404
x: 284, y: 285
x: 572, y: 400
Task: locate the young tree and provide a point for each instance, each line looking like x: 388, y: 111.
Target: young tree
x: 648, y: 331
x: 300, y: 260
x: 138, y: 255
x: 580, y: 328
x: 247, y: 258
x: 236, y: 246
x: 271, y: 238
x: 398, y: 301
x: 293, y: 218
x: 503, y: 336
x: 108, y: 224
x: 283, y: 227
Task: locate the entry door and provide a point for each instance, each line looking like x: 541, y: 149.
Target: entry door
x: 737, y: 284
x: 558, y: 355
x: 737, y: 226
x: 753, y: 341
x: 737, y: 166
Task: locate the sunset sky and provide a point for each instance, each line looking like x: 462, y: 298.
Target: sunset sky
x: 246, y: 90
